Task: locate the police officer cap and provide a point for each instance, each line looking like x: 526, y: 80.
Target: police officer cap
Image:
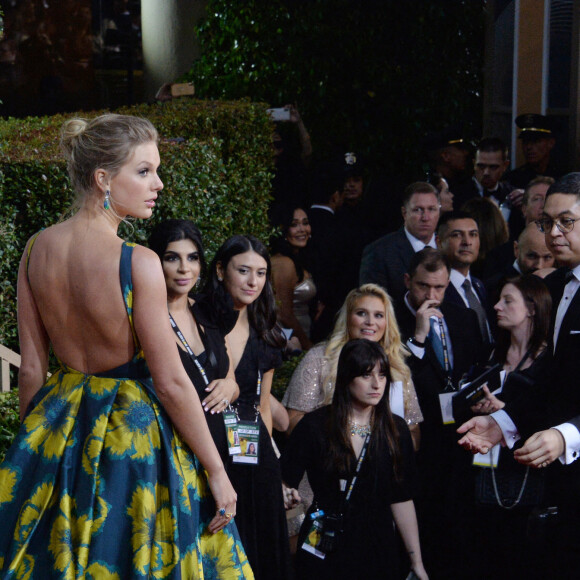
x: 534, y: 126
x: 352, y: 164
x: 450, y: 136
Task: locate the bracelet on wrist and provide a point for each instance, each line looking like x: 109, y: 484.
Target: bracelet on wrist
x: 416, y: 342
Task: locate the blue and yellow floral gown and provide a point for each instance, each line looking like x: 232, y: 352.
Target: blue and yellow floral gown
x: 98, y: 485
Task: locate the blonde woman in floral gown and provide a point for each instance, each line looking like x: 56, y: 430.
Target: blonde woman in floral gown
x: 105, y: 478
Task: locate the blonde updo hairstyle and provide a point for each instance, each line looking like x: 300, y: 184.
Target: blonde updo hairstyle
x: 106, y: 142
x: 390, y: 342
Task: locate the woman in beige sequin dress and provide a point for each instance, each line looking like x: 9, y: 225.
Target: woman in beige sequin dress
x: 367, y: 313
x: 293, y: 284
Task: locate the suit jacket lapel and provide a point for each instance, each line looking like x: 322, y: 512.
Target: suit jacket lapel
x: 571, y: 320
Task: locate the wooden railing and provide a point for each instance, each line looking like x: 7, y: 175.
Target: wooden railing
x: 7, y: 357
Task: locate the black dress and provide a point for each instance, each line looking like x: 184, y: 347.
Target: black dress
x: 500, y: 532
x: 368, y: 547
x: 261, y: 518
x: 215, y: 362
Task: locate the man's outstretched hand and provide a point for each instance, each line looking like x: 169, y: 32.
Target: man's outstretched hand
x: 481, y: 434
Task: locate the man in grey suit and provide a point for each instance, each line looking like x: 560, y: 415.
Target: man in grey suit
x: 386, y: 260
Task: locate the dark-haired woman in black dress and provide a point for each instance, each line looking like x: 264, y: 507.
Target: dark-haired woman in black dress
x: 199, y: 331
x: 240, y: 272
x: 360, y: 464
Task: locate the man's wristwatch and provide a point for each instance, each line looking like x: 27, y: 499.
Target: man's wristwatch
x: 415, y: 342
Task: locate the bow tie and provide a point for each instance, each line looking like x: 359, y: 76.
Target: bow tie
x: 569, y: 276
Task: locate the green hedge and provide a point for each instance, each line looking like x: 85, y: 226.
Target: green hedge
x: 9, y: 420
x: 216, y: 165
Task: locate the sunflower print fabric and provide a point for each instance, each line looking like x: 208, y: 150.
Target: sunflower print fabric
x: 98, y: 485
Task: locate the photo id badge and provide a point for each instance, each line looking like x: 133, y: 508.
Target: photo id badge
x: 233, y: 437
x: 445, y: 400
x: 249, y: 433
x: 313, y: 539
x: 489, y: 459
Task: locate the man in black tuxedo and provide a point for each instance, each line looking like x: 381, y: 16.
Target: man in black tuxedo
x: 445, y: 343
x: 554, y: 407
x: 490, y: 163
x: 530, y: 254
x: 502, y: 256
x: 327, y: 197
x: 387, y: 259
x: 458, y: 238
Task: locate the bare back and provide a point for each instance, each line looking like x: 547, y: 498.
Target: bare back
x: 73, y: 273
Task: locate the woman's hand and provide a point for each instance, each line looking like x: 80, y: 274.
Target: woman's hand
x: 541, y: 448
x: 225, y: 500
x: 490, y: 404
x: 291, y: 497
x: 419, y: 571
x: 222, y: 393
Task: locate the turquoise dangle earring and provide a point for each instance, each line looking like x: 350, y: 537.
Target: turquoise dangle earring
x: 107, y: 204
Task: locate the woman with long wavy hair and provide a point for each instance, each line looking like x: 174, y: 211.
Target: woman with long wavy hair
x: 360, y: 461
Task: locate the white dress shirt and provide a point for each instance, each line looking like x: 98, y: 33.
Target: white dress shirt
x: 417, y: 244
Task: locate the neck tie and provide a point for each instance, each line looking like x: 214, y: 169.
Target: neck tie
x: 476, y: 306
x: 436, y: 343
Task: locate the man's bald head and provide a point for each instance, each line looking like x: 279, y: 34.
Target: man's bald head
x: 531, y: 251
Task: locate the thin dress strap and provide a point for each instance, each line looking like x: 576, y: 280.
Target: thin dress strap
x: 127, y: 286
x: 29, y: 250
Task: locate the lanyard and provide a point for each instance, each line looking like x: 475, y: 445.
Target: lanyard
x: 357, y: 469
x: 446, y: 363
x: 188, y: 349
x: 258, y: 392
x: 444, y: 344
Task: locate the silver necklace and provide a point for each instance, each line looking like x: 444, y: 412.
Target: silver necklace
x: 360, y: 430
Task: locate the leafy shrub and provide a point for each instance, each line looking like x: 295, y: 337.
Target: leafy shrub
x: 371, y: 76
x: 9, y: 420
x: 283, y: 375
x: 216, y: 165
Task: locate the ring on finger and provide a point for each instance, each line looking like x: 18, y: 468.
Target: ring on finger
x: 229, y: 515
x: 225, y: 402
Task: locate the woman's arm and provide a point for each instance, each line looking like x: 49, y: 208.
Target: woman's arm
x: 222, y: 390
x: 304, y: 392
x: 172, y: 385
x: 34, y: 342
x: 280, y: 419
x: 406, y: 520
x: 265, y: 410
x: 415, y: 431
x: 284, y: 279
x: 294, y: 417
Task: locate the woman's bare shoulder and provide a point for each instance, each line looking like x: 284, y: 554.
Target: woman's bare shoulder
x: 283, y: 268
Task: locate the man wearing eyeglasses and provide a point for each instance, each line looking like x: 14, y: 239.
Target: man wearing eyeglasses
x: 549, y: 417
x: 386, y: 260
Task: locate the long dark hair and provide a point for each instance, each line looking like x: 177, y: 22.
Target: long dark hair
x: 174, y: 231
x: 539, y: 303
x: 262, y: 312
x: 280, y: 244
x: 357, y: 358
